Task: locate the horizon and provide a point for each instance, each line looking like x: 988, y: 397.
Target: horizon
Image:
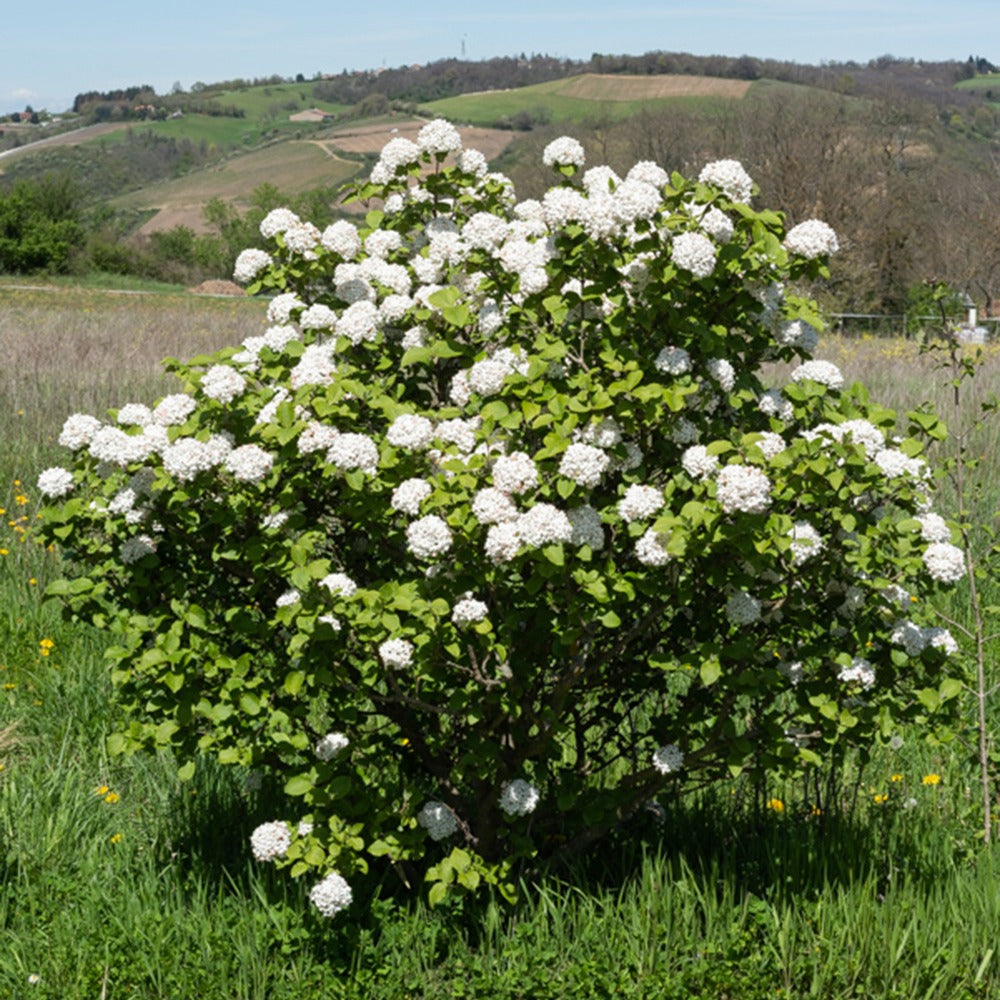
x: 48, y: 69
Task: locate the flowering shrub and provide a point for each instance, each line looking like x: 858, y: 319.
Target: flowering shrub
x: 498, y: 529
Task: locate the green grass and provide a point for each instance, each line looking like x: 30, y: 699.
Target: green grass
x: 116, y: 881
x: 550, y: 99
x: 988, y: 81
x: 265, y: 100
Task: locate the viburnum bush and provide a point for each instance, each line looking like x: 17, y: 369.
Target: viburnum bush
x: 499, y: 528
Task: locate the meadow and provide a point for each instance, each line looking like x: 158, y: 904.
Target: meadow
x: 117, y: 881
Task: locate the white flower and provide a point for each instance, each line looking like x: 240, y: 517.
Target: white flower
x: 302, y: 238
x: 270, y: 840
x: 824, y: 372
x: 331, y: 895
x: 316, y: 437
x: 396, y: 653
x: 730, y: 176
x: 439, y: 136
x: 134, y: 415
x: 339, y: 583
x: 806, y: 542
x: 515, y: 473
x: 792, y: 670
x: 330, y: 745
x: 896, y: 464
x: 941, y: 638
x: 518, y: 797
x: 438, y: 820
x: 503, y: 542
x: 341, y: 238
x: 186, y: 457
x: 588, y: 529
x: 800, y: 334
x: 428, y: 537
x: 249, y: 264
x: 564, y: 151
x: 698, y: 463
x: 55, y: 482
x: 249, y: 463
x: 723, y: 373
x: 288, y: 598
x: 717, y: 224
x: 668, y: 759
x: 493, y: 506
x: 354, y: 451
x: 743, y: 488
x: 468, y: 611
x: 136, y: 548
x: 314, y: 367
x: 281, y: 307
x: 358, y: 322
x: 174, y: 409
x: 811, y: 239
x: 934, y: 528
x: 909, y: 636
x: 584, y: 464
x: 410, y: 430
x: 649, y: 550
x: 544, y: 524
x: 695, y: 253
x: 78, y: 431
x: 222, y: 383
x: 318, y: 317
x: 774, y: 404
x: 770, y: 444
x: 742, y: 608
x: 673, y: 361
x: 860, y: 672
x: 944, y: 562
x: 409, y: 495
x: 640, y: 502
x: 277, y: 221
x: 486, y: 377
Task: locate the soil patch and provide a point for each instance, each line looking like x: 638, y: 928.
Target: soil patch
x: 217, y: 287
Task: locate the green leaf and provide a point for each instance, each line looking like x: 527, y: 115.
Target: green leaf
x: 437, y: 893
x: 250, y: 703
x: 186, y: 771
x: 299, y: 784
x: 710, y: 671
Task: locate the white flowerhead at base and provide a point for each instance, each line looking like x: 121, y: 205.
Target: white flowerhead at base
x: 438, y: 820
x: 270, y: 840
x: 330, y: 745
x: 518, y: 797
x: 396, y: 653
x: 668, y: 759
x: 331, y: 895
x: 743, y: 488
x: 55, y: 482
x: 944, y: 562
x: 859, y: 672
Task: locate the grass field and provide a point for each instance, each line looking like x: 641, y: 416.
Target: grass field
x: 590, y: 96
x: 295, y: 166
x: 118, y: 882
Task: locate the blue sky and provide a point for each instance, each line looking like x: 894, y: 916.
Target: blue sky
x: 60, y: 49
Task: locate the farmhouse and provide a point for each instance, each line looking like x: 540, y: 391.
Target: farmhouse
x: 310, y: 115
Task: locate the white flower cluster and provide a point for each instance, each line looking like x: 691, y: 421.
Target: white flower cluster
x: 249, y: 463
x: 354, y: 451
x: 79, y: 430
x: 898, y: 465
x: 249, y: 264
x: 331, y: 895
x: 55, y: 482
x: 811, y: 239
x: 518, y: 797
x: 439, y: 136
x: 824, y: 372
x: 673, y: 361
x: 742, y: 608
x: 731, y: 177
x: 584, y: 464
x: 438, y: 820
x: 914, y: 639
x: 587, y: 527
x: 136, y: 548
x: 944, y: 562
x: 409, y: 495
x: 396, y: 653
x: 694, y: 252
x: 668, y: 759
x: 564, y: 151
x: 410, y: 430
x: 339, y: 583
x: 468, y: 611
x: 859, y: 672
x: 698, y: 463
x: 933, y: 527
x: 806, y: 542
x: 330, y: 745
x: 222, y: 383
x: 650, y: 551
x: 743, y: 488
x: 428, y: 537
x: 515, y: 473
x: 270, y: 840
x: 640, y: 503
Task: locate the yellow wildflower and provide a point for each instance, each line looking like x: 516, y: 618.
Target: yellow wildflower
x: 111, y: 798
x: 932, y: 779
x: 776, y: 805
x: 896, y: 777
x: 116, y: 838
x: 879, y: 799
